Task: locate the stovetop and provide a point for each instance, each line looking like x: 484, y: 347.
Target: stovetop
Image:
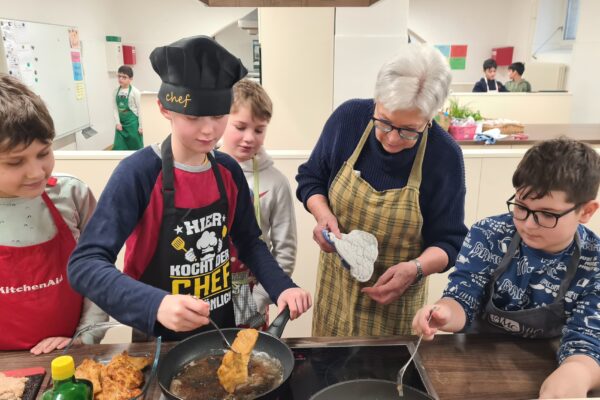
x: 318, y: 367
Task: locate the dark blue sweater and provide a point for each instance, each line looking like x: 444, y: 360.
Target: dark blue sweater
x: 132, y: 196
x: 442, y: 193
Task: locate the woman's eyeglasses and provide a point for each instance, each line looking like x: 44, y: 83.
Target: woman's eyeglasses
x: 544, y: 219
x: 404, y: 133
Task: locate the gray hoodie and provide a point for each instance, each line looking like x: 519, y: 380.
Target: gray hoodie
x: 278, y: 221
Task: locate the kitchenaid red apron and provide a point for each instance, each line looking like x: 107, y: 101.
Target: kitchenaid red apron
x: 36, y: 300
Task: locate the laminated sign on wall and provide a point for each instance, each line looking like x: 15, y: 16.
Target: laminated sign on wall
x: 48, y: 59
x: 456, y: 55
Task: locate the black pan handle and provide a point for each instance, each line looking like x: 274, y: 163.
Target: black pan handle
x: 278, y: 325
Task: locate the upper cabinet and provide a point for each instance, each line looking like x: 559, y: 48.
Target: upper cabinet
x: 289, y: 3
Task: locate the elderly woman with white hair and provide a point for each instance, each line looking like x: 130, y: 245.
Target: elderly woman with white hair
x: 384, y: 166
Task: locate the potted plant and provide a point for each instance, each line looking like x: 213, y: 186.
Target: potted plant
x: 464, y: 121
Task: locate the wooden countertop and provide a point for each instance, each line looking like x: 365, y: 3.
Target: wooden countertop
x: 458, y: 366
x: 588, y: 133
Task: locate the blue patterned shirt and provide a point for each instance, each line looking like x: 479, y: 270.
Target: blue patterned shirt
x: 532, y: 280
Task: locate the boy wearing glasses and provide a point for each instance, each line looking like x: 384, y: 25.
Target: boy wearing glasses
x: 126, y: 110
x: 533, y: 272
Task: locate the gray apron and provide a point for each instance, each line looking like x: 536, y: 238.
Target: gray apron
x: 541, y: 322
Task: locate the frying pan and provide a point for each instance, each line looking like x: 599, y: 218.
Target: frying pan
x: 205, y: 343
x: 361, y: 389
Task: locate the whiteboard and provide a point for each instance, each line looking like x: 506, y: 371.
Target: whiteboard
x: 48, y: 59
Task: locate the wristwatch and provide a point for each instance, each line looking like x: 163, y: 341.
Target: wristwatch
x: 419, y: 276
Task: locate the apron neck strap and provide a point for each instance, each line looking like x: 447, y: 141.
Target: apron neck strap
x: 361, y: 144
x: 168, y: 183
x: 168, y: 180
x: 256, y: 189
x: 128, y: 91
x: 416, y: 171
x: 571, y: 267
x: 414, y: 179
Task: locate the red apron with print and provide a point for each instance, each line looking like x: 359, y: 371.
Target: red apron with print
x: 36, y: 300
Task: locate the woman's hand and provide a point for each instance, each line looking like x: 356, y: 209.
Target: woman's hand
x: 440, y: 316
x: 119, y: 127
x: 182, y: 313
x: 328, y: 223
x: 298, y: 300
x: 318, y: 206
x: 393, y: 283
x: 50, y: 344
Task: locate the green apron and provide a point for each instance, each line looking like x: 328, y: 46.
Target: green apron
x: 129, y: 138
x: 394, y: 217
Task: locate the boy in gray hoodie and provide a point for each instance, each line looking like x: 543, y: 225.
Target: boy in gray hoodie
x: 250, y: 114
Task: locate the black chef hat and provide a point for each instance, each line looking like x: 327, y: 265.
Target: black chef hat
x: 197, y: 75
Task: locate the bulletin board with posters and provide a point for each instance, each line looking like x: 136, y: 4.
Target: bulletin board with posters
x: 48, y: 59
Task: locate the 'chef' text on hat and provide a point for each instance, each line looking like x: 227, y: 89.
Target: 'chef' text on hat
x: 197, y: 75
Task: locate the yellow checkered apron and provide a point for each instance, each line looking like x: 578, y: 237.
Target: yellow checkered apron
x: 394, y: 217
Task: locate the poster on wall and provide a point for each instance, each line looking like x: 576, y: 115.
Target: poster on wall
x: 456, y: 55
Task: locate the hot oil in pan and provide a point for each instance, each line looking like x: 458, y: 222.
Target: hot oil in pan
x: 198, y: 379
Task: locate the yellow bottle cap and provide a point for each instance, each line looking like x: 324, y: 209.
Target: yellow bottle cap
x: 62, y: 367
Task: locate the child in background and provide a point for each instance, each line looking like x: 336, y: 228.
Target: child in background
x: 243, y: 139
x: 489, y: 83
x: 179, y: 206
x: 517, y: 83
x: 128, y: 131
x: 534, y: 272
x: 41, y: 218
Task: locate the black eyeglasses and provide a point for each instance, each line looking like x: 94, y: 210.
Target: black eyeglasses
x: 545, y: 219
x: 405, y: 133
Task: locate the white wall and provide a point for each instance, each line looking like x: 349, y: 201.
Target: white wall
x: 151, y: 23
x: 550, y: 16
x: 364, y: 39
x: 94, y: 19
x: 482, y: 25
x: 297, y: 72
x: 586, y: 58
x: 238, y: 42
x: 145, y: 24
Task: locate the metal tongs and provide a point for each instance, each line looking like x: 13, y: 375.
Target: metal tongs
x: 222, y: 336
x: 403, y: 369
x: 225, y: 341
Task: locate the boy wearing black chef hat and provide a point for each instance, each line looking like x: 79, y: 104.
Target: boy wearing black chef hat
x: 178, y: 206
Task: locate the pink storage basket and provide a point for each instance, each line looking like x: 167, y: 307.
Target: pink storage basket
x: 462, y: 132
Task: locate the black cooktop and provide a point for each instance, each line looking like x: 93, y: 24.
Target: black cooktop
x: 318, y: 367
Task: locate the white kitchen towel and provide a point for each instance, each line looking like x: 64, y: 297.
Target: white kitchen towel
x: 358, y: 249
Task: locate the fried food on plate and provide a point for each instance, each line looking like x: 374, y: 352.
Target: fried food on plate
x: 120, y: 379
x: 138, y: 362
x: 112, y: 390
x: 234, y: 368
x: 122, y: 372
x: 90, y: 370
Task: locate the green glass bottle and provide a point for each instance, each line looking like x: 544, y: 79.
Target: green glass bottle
x: 64, y: 384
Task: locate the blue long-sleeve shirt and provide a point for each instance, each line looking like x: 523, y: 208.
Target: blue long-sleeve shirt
x: 531, y: 280
x: 442, y: 191
x: 131, y: 207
